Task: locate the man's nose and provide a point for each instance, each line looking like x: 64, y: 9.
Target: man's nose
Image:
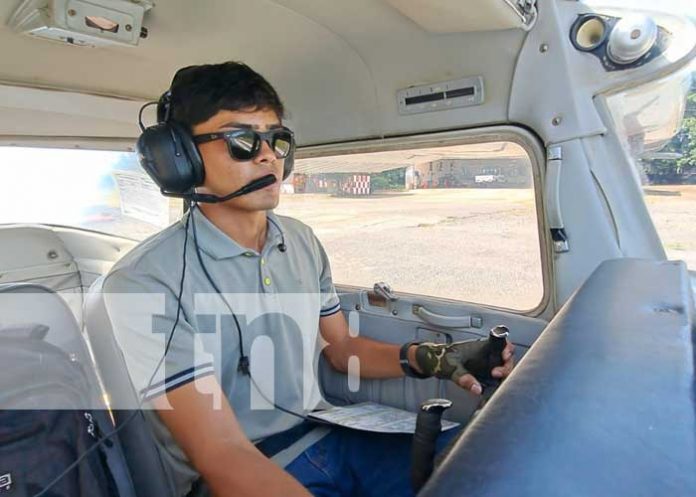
x: 266, y: 154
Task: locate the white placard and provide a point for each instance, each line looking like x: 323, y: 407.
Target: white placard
x: 370, y: 416
x: 141, y: 198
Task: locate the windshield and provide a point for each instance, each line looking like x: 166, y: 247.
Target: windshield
x: 656, y: 124
x: 681, y: 7
x: 98, y: 190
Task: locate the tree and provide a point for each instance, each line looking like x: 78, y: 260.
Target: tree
x: 394, y: 179
x: 683, y: 143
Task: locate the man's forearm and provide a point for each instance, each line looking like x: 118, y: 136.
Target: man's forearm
x: 242, y: 472
x: 376, y: 359
x: 364, y: 356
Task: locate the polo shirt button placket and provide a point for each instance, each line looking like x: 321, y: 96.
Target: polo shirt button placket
x: 266, y: 278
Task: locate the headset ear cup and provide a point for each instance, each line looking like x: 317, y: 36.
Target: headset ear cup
x: 192, y: 153
x: 289, y: 164
x: 163, y: 154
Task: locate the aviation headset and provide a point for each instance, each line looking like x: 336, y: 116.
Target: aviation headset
x: 168, y: 153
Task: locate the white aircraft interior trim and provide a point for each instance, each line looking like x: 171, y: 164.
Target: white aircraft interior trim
x: 459, y: 16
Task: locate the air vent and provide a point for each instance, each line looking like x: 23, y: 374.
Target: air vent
x: 441, y: 96
x: 83, y: 23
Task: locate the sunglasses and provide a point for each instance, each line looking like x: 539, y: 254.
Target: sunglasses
x: 245, y: 144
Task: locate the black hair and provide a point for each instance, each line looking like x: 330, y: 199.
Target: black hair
x: 200, y: 92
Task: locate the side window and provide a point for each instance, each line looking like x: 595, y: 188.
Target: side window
x: 99, y: 190
x: 456, y: 222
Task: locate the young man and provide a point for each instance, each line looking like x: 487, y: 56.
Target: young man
x: 241, y: 249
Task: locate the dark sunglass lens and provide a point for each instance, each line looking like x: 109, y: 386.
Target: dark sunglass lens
x: 282, y: 145
x: 244, y: 145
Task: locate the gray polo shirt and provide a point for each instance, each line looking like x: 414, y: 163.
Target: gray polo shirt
x: 278, y: 297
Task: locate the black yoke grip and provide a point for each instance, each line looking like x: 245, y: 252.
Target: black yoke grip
x: 428, y: 427
x: 489, y: 357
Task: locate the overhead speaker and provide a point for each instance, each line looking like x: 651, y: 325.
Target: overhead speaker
x: 632, y: 38
x: 589, y: 32
x: 619, y: 43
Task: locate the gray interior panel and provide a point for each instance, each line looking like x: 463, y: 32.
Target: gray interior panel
x: 380, y: 323
x: 65, y: 260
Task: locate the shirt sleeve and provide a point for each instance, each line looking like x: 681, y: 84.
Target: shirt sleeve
x: 330, y: 304
x: 142, y: 312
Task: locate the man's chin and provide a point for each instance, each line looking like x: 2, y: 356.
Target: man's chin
x: 271, y: 204
x: 261, y: 202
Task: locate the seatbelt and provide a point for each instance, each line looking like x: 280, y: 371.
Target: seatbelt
x: 285, y: 457
x: 274, y: 444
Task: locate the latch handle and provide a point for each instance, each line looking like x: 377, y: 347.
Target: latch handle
x: 385, y: 291
x: 447, y: 321
x: 552, y: 196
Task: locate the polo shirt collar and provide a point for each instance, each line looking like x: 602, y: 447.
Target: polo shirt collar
x: 218, y: 244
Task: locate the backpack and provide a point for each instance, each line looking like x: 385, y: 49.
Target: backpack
x: 46, y: 423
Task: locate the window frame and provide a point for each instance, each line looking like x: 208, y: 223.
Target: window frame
x: 514, y: 134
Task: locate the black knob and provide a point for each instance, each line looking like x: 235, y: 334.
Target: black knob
x: 497, y: 339
x: 428, y: 428
x: 489, y: 356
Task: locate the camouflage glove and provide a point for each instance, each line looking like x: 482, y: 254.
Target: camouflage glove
x: 454, y: 360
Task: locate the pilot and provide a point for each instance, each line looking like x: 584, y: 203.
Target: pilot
x: 227, y: 364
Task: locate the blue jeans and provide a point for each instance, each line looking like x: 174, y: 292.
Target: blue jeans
x: 348, y: 463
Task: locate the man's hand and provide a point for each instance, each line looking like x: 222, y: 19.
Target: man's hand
x: 460, y: 361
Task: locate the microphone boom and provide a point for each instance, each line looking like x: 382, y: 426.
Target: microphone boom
x: 250, y: 187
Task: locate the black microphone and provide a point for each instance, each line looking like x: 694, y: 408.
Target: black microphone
x: 257, y: 184
x: 281, y: 246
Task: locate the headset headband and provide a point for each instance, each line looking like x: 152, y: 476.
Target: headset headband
x: 164, y: 106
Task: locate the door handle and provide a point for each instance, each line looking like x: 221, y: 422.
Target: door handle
x: 447, y: 321
x: 552, y: 194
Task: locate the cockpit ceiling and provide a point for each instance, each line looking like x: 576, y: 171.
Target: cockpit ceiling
x: 336, y: 64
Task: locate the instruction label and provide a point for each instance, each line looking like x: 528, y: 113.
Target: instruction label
x: 370, y: 416
x: 141, y: 198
